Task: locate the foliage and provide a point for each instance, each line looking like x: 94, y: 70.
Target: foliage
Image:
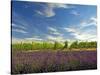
x: 53, y: 46
x: 74, y: 45
x: 65, y: 44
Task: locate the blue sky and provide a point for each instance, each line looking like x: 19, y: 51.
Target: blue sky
x: 38, y: 21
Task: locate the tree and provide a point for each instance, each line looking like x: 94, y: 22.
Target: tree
x: 57, y: 45
x: 74, y: 45
x: 66, y: 45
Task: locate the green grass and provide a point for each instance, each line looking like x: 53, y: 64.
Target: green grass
x: 53, y: 46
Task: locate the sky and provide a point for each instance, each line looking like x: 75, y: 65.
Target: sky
x: 39, y: 21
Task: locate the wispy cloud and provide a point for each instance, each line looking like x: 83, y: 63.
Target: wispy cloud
x: 91, y: 22
x: 74, y: 12
x: 19, y: 31
x: 94, y: 19
x: 49, y: 11
x: 18, y: 26
x: 77, y: 32
x: 33, y: 39
x: 79, y: 35
x: 54, y: 38
x: 54, y: 31
x: 17, y: 18
x: 70, y: 29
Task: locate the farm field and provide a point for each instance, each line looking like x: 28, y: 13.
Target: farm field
x: 40, y: 61
x: 53, y: 57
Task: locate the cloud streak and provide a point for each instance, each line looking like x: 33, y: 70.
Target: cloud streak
x: 19, y: 31
x: 75, y: 13
x: 54, y: 38
x: 49, y: 9
x: 33, y: 39
x: 88, y: 34
x: 91, y: 22
x: 54, y: 31
x: 18, y: 26
x: 79, y: 35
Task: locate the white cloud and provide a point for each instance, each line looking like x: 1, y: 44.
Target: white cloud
x: 19, y: 31
x: 93, y: 19
x: 39, y: 12
x: 48, y: 10
x: 91, y: 22
x: 78, y: 34
x: 34, y: 39
x: 88, y: 34
x: 58, y: 5
x: 54, y: 31
x: 17, y: 18
x: 84, y: 36
x: 75, y: 13
x: 53, y: 38
x: 70, y: 29
x: 18, y: 26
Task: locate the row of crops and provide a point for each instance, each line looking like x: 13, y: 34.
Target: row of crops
x: 54, y: 46
x: 39, y: 62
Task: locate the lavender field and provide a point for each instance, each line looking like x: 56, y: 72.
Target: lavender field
x: 48, y: 61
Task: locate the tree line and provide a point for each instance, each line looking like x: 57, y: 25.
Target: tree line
x: 54, y: 46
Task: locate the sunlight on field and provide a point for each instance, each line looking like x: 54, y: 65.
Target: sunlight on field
x: 55, y: 46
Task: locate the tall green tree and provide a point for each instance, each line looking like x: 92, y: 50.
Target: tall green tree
x: 74, y: 45
x: 66, y: 44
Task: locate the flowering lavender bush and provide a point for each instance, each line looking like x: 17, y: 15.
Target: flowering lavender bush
x: 48, y: 61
